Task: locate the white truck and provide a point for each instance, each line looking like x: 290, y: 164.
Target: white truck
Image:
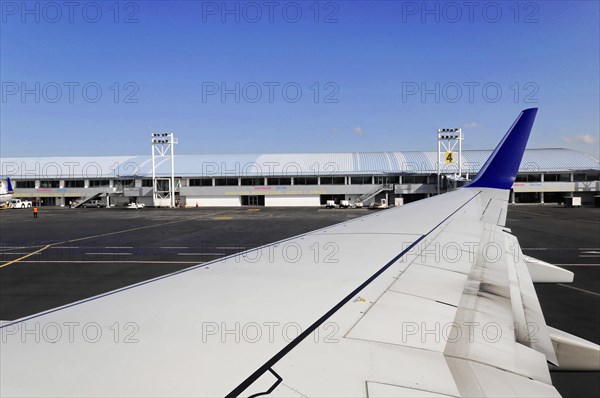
x: 330, y: 204
x: 574, y: 201
x: 19, y: 204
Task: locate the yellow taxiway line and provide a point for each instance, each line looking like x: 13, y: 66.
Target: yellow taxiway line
x: 25, y: 256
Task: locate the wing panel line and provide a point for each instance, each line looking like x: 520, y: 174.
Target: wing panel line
x: 308, y: 331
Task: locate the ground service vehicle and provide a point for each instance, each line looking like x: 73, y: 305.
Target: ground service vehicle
x: 93, y: 203
x: 19, y: 204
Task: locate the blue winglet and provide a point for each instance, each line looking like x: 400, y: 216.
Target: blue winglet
x: 502, y: 166
x: 9, y: 185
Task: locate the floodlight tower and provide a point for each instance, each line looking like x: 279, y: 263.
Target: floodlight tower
x: 449, y: 139
x: 163, y: 146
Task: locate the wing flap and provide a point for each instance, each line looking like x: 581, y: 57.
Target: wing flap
x: 474, y: 379
x: 486, y: 315
x: 432, y: 283
x: 383, y: 390
x: 405, y: 320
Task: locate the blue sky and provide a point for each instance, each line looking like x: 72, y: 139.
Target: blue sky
x: 242, y: 77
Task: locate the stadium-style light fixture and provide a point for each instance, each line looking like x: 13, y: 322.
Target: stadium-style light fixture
x: 448, y: 139
x: 163, y: 147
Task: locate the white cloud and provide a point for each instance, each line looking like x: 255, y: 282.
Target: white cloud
x: 358, y: 130
x: 584, y: 138
x: 472, y: 125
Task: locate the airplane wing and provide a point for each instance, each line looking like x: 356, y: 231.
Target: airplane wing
x: 434, y: 298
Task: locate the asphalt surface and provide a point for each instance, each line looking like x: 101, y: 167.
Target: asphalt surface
x: 97, y: 250
x: 569, y: 238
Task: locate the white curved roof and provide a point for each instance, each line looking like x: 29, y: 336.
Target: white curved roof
x: 351, y: 163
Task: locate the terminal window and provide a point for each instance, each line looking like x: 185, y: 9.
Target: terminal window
x: 125, y: 183
x: 98, y: 183
x: 585, y: 177
x: 592, y: 177
x: 25, y: 184
x: 253, y: 181
x: 333, y: 180
x: 74, y: 184
x: 49, y: 184
x: 306, y: 181
x: 528, y: 178
x: 226, y: 181
x: 279, y: 181
x: 200, y: 182
x: 414, y: 180
x: 557, y: 177
x: 253, y: 200
x: 361, y: 180
x: 387, y: 179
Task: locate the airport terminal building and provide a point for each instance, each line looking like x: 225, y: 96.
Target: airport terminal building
x: 296, y: 179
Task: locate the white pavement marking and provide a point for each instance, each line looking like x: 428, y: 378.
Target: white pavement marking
x: 26, y: 256
x: 8, y: 249
x: 111, y: 262
x: 578, y: 265
x: 200, y: 254
x: 556, y: 218
x: 230, y: 247
x: 579, y: 289
x: 35, y: 254
x: 109, y: 254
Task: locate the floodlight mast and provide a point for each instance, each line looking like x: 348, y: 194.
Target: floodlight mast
x: 163, y: 145
x: 448, y: 139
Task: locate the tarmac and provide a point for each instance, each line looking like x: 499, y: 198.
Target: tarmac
x: 70, y: 254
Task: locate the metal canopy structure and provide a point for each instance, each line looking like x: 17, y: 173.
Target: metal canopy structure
x: 163, y: 149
